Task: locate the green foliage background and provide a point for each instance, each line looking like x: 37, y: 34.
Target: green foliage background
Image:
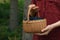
x: 4, y: 20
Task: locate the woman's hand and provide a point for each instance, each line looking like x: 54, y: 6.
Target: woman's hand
x: 49, y: 28
x: 33, y: 6
x: 46, y: 30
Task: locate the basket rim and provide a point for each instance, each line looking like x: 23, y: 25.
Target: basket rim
x: 34, y: 21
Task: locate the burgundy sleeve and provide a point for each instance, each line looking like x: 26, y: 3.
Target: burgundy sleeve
x: 33, y: 1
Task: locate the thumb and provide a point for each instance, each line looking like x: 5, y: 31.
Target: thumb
x: 45, y: 29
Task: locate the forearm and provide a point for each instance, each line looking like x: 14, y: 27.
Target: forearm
x: 57, y: 24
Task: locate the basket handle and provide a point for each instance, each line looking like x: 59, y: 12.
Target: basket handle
x: 29, y: 9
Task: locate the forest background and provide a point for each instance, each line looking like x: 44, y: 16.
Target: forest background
x: 5, y: 33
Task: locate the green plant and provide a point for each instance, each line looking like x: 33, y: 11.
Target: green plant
x: 5, y: 33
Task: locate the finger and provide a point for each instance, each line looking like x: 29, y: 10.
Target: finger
x: 35, y: 7
x: 32, y: 5
x: 45, y: 33
x: 45, y: 29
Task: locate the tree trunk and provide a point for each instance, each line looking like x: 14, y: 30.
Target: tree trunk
x: 26, y: 36
x: 13, y: 14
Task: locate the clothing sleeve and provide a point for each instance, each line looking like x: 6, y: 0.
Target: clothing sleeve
x: 33, y: 1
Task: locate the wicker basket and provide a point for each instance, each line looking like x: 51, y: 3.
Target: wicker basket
x: 33, y: 26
